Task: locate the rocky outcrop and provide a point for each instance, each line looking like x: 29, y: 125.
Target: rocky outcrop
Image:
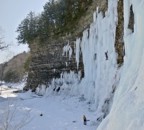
x: 14, y: 69
x: 48, y: 61
x: 119, y: 41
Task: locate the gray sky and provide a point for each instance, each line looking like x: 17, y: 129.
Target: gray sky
x: 12, y: 12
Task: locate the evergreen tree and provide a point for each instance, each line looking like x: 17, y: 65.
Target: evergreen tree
x: 58, y: 17
x: 28, y: 29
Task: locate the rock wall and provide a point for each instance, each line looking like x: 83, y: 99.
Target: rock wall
x: 47, y: 61
x: 119, y: 41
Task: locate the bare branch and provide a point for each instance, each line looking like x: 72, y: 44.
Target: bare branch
x: 9, y: 121
x: 2, y: 46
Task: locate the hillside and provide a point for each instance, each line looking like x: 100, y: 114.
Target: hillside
x: 14, y: 69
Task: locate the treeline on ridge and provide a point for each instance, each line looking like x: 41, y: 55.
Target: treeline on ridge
x: 58, y: 18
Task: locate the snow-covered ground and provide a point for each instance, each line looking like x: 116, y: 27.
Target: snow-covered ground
x: 31, y: 112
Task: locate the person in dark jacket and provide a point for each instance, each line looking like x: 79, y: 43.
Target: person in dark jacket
x: 84, y: 120
x: 106, y: 55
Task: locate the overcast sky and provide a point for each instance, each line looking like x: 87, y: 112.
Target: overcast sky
x: 12, y: 12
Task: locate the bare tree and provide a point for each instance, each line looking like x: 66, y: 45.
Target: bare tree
x: 2, y: 47
x: 11, y: 119
x: 2, y: 44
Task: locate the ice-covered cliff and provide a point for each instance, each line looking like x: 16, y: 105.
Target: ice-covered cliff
x: 99, y: 56
x: 127, y: 110
x: 117, y: 92
x: 111, y: 50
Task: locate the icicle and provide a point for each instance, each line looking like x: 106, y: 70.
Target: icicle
x: 67, y: 51
x: 77, y: 51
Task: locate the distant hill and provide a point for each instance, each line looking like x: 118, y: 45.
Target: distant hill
x: 14, y: 69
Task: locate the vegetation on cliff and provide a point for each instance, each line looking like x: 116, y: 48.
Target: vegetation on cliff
x: 57, y: 18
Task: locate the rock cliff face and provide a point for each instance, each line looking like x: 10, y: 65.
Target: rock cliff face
x: 49, y: 61
x: 119, y: 42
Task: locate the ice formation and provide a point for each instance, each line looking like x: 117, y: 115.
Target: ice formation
x: 116, y: 92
